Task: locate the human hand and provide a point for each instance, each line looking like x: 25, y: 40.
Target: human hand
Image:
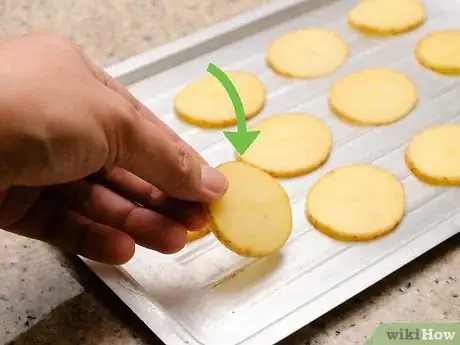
x: 63, y: 122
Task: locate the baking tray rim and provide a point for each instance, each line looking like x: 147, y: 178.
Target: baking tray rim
x: 129, y: 71
x: 166, y: 328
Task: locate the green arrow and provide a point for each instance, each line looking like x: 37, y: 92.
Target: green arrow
x: 242, y: 139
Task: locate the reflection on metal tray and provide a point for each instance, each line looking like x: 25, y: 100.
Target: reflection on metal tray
x: 208, y: 295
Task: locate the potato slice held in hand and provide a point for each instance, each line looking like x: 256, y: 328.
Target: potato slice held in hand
x: 254, y: 217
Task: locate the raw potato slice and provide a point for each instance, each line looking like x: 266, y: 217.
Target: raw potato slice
x: 434, y: 155
x: 195, y: 235
x: 307, y: 53
x: 372, y: 97
x: 387, y: 17
x: 253, y: 218
x: 206, y: 103
x: 356, y: 203
x: 440, y: 52
x: 289, y: 145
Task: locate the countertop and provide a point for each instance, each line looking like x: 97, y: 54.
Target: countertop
x: 47, y: 297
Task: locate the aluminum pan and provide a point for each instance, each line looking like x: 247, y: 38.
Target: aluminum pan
x: 187, y: 298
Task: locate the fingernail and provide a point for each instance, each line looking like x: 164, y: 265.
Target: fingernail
x: 213, y: 181
x: 156, y: 195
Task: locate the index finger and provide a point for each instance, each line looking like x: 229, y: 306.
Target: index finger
x: 116, y: 86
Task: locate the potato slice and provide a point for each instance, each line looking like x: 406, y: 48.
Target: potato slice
x: 387, y: 17
x: 290, y: 145
x: 433, y: 155
x: 440, y: 52
x: 195, y: 235
x: 254, y: 217
x: 206, y: 103
x: 307, y: 53
x: 372, y: 97
x: 356, y: 203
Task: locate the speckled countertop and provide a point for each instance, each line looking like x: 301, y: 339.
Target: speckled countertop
x: 49, y: 298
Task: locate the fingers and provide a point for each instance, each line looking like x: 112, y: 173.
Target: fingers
x: 148, y: 228
x: 116, y: 86
x: 15, y: 202
x: 132, y: 187
x: 73, y: 233
x: 146, y: 151
x: 156, y: 154
x: 91, y: 240
x: 192, y: 214
x: 98, y: 224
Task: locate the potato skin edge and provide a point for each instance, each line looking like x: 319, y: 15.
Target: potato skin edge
x: 433, y: 181
x: 345, y: 237
x: 372, y: 32
x: 444, y: 71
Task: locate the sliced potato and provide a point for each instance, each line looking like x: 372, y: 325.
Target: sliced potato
x: 206, y: 103
x: 307, y: 53
x: 356, y: 203
x: 387, y: 17
x: 433, y: 155
x: 440, y: 52
x: 290, y: 145
x: 373, y: 97
x: 254, y: 217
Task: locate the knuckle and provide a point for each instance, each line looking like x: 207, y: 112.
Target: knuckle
x: 20, y: 162
x: 126, y: 115
x: 126, y: 120
x: 122, y: 123
x: 53, y: 40
x: 184, y: 161
x: 184, y: 176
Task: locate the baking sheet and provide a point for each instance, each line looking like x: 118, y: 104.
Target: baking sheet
x: 207, y: 295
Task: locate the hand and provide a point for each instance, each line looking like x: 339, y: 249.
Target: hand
x: 84, y: 165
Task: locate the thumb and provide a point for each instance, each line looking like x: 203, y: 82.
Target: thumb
x: 166, y: 162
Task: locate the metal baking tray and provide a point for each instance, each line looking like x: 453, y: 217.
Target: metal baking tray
x: 207, y: 295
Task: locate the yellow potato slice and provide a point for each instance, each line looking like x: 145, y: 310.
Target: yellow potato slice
x: 206, y: 103
x: 254, y: 217
x: 356, y: 203
x: 289, y: 145
x: 440, y: 52
x: 387, y: 17
x: 307, y: 53
x: 195, y: 235
x: 371, y: 97
x: 433, y: 155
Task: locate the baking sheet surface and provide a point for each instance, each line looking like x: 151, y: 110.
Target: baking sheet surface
x: 207, y: 295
